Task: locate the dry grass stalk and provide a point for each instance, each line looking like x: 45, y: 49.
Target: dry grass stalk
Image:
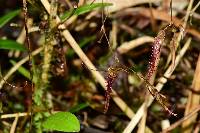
x: 13, y: 127
x: 193, y: 100
x: 127, y: 46
x: 142, y: 124
x: 5, y: 116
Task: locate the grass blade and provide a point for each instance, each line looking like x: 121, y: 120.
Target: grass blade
x: 6, y: 18
x: 11, y: 45
x: 83, y: 9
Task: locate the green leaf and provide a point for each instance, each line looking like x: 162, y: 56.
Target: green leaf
x: 22, y: 70
x: 90, y: 7
x: 6, y: 18
x: 62, y: 121
x: 83, y: 9
x: 78, y: 107
x: 11, y: 45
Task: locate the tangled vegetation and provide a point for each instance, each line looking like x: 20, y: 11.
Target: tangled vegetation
x: 100, y: 66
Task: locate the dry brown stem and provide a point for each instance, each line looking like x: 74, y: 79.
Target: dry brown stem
x: 193, y: 100
x: 13, y: 127
x: 127, y: 46
x: 5, y: 116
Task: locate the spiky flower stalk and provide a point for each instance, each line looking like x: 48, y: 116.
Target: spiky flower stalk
x: 155, y: 54
x: 167, y: 35
x: 112, y: 75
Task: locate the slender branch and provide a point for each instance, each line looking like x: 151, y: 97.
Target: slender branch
x: 13, y: 127
x: 127, y: 46
x: 25, y: 11
x: 194, y: 9
x: 6, y: 116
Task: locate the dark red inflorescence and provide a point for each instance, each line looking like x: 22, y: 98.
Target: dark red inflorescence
x: 109, y: 82
x: 155, y: 54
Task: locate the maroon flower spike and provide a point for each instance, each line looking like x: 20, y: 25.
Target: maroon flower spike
x: 167, y: 35
x: 155, y: 54
x: 109, y: 82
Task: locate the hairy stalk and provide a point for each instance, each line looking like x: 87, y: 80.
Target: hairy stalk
x: 25, y: 11
x: 50, y: 41
x: 114, y: 71
x: 48, y: 49
x: 42, y: 82
x: 109, y: 80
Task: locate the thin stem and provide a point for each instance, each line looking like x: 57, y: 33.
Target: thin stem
x: 171, y: 10
x: 25, y: 10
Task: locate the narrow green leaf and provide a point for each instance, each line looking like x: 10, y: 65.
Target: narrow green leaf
x: 88, y: 8
x: 83, y: 9
x: 22, y: 70
x: 6, y: 18
x: 62, y: 121
x: 78, y: 107
x: 67, y: 14
x: 11, y: 45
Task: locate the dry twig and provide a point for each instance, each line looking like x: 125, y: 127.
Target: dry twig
x: 13, y: 127
x: 127, y: 46
x: 193, y: 100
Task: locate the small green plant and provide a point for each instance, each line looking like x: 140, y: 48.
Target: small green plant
x: 62, y: 121
x: 56, y: 86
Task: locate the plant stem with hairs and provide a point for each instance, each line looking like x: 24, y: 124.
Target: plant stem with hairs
x: 42, y: 83
x: 50, y: 41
